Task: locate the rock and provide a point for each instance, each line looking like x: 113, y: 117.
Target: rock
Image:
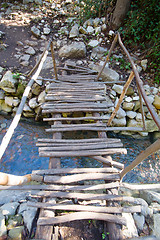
x: 48, y: 63
x: 33, y: 103
x: 36, y: 89
x: 46, y: 30
x: 30, y: 51
x: 2, y: 34
x: 35, y: 31
x: 108, y: 74
x: 8, y: 83
x: 82, y: 30
x: 120, y: 113
x: 16, y: 233
x: 13, y: 196
x: 1, y: 69
x: 154, y: 90
x: 145, y: 238
x: 128, y: 99
x: 98, y: 52
x: 130, y: 91
x: 14, y: 221
x: 25, y: 58
x: 147, y: 89
x: 156, y: 218
x: 156, y: 102
x: 3, y: 229
x: 24, y: 63
x: 96, y: 22
x: 39, y: 2
x: 2, y: 95
x: 97, y: 30
x: 16, y: 101
x: 144, y: 64
x: 128, y: 106
x: 63, y: 30
x: 131, y: 114
x: 90, y: 29
x: 139, y: 221
x: 93, y: 43
x: 111, y: 33
x: 150, y: 125
x: 74, y: 31
x: 104, y: 27
x: 4, y: 107
x: 9, y: 208
x: 130, y: 230
x: 150, y: 196
x: 139, y: 117
x: 41, y: 97
x: 9, y: 101
x: 119, y: 122
x: 117, y: 88
x: 28, y: 214
x: 31, y: 43
x: 74, y: 50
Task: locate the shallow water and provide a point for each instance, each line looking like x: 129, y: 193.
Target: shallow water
x: 21, y: 156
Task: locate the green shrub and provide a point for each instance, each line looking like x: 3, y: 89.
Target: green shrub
x: 141, y: 28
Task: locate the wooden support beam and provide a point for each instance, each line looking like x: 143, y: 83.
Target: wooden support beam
x: 82, y: 216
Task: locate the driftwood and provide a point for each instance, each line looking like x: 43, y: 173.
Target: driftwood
x: 70, y: 141
x: 82, y: 216
x: 125, y: 88
x: 151, y: 149
x: 108, y: 161
x: 87, y: 208
x: 83, y: 153
x: 74, y: 170
x: 80, y: 177
x: 140, y: 186
x: 53, y: 187
x: 10, y: 180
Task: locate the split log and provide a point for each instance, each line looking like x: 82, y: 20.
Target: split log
x: 10, y: 180
x: 81, y: 216
x: 75, y: 118
x: 140, y: 186
x: 132, y: 209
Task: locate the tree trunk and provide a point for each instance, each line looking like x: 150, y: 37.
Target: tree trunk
x: 121, y: 9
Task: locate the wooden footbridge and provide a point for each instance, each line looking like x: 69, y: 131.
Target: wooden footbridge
x: 80, y: 193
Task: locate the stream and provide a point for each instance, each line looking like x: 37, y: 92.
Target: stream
x: 21, y: 155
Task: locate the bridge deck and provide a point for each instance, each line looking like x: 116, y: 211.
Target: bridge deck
x: 83, y: 192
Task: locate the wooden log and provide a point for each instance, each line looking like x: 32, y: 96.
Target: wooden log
x: 79, y: 125
x: 79, y: 148
x: 125, y: 88
x: 75, y: 88
x: 54, y: 187
x: 54, y: 61
x: 88, y: 140
x: 86, y: 153
x: 140, y: 186
x: 148, y: 151
x: 108, y: 161
x: 142, y: 109
x: 74, y: 170
x: 10, y: 180
x: 76, y: 118
x: 75, y: 207
x: 80, y: 145
x: 75, y: 105
x: 63, y: 110
x: 81, y: 216
x: 67, y: 129
x: 80, y: 177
